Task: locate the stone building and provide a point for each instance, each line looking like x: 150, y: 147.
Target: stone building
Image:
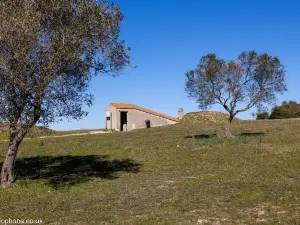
x: 125, y: 117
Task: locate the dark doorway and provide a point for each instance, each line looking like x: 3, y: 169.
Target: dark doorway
x: 148, y: 123
x: 123, y: 121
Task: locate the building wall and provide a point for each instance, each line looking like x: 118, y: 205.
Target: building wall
x: 113, y: 119
x: 136, y: 119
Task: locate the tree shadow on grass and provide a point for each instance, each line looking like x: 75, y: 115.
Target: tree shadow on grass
x: 66, y: 171
x: 255, y: 134
x: 201, y: 136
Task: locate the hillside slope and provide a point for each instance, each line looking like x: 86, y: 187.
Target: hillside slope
x: 177, y: 174
x: 206, y: 117
x: 34, y: 132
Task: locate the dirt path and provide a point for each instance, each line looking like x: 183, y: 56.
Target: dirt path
x: 68, y: 135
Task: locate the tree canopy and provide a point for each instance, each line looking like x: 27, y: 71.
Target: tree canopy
x: 251, y: 80
x: 287, y: 110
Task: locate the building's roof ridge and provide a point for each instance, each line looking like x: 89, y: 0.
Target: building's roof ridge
x: 132, y: 106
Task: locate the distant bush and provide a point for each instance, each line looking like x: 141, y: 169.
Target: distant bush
x: 286, y: 110
x: 262, y: 116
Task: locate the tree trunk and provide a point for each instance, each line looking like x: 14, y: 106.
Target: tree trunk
x: 7, y: 177
x: 228, y: 129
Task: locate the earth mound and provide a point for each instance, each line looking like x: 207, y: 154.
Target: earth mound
x: 205, y: 117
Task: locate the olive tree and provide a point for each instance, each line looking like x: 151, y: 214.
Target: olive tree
x: 251, y: 80
x: 49, y: 51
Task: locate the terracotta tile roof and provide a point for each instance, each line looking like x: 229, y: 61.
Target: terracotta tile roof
x: 131, y: 106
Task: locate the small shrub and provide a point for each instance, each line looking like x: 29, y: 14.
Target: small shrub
x: 262, y: 116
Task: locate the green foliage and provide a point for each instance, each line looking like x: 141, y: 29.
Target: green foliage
x: 262, y: 116
x: 292, y: 102
x: 251, y: 80
x: 286, y: 110
x: 49, y: 51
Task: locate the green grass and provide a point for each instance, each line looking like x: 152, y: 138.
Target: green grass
x: 177, y: 174
x: 41, y: 132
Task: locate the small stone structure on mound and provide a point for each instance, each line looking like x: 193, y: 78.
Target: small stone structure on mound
x: 205, y: 117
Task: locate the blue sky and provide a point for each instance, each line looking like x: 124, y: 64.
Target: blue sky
x: 168, y: 37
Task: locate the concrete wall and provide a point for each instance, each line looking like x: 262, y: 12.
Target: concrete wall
x: 114, y: 119
x: 136, y: 119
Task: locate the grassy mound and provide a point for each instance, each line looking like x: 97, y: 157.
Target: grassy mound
x: 205, y: 117
x: 34, y: 132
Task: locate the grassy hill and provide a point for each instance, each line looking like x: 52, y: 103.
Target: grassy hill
x: 38, y: 131
x: 177, y: 174
x: 206, y: 117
